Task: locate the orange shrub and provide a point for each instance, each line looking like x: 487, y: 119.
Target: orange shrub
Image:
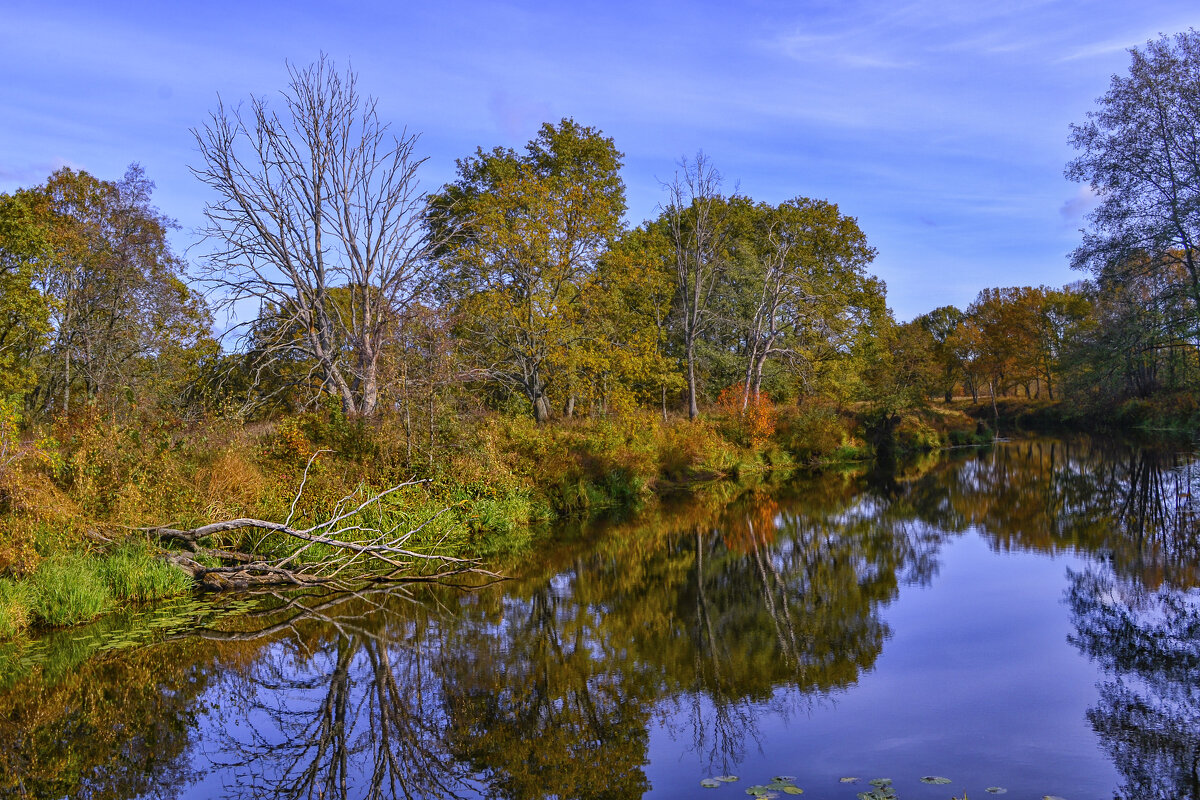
x: 756, y: 422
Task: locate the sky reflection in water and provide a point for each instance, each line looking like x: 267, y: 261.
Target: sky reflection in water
x: 1023, y: 617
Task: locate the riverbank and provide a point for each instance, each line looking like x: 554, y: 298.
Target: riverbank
x: 74, y: 538
x: 1168, y: 413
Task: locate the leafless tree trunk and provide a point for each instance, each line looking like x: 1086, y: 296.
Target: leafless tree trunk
x: 696, y: 218
x: 318, y: 217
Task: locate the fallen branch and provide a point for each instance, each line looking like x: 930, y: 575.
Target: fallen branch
x: 373, y: 553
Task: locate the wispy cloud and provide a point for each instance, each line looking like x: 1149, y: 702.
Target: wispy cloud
x: 1101, y: 49
x: 846, y: 50
x: 1075, y: 208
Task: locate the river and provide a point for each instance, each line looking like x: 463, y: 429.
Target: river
x: 1023, y: 618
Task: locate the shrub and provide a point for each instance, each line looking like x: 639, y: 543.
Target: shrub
x: 812, y: 433
x: 751, y: 425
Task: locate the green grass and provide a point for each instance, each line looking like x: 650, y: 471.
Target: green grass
x: 15, y: 607
x: 69, y: 590
x: 134, y: 574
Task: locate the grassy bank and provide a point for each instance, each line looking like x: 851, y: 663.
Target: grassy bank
x: 1168, y: 412
x: 70, y: 549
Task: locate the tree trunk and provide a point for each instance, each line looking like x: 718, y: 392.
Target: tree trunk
x: 541, y: 409
x: 995, y: 411
x: 693, y: 406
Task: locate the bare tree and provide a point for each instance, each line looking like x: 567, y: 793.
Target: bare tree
x: 320, y: 218
x: 695, y: 217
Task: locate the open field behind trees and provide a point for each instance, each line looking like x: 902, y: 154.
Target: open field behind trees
x: 511, y: 343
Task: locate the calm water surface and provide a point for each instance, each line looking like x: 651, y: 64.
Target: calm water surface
x: 1023, y: 617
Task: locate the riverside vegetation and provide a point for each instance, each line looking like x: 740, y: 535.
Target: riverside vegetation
x: 74, y: 538
x: 510, y: 345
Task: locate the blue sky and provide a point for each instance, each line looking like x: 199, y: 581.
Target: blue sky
x: 941, y: 126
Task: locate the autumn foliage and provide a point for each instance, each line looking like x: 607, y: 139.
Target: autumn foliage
x: 754, y: 422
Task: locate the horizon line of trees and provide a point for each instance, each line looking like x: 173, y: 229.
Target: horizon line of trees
x: 518, y: 287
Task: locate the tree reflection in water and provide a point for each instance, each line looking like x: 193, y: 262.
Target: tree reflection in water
x: 347, y: 706
x: 549, y: 687
x: 1148, y: 714
x: 699, y: 621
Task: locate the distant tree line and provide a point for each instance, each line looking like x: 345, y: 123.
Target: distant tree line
x: 519, y: 286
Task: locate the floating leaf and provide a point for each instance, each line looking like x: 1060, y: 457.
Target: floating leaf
x: 997, y: 790
x: 848, y: 779
x: 757, y: 791
x: 792, y: 790
x: 1052, y: 797
x: 877, y: 794
x: 783, y: 778
x: 726, y: 778
x: 935, y: 779
x: 880, y: 781
x: 710, y: 783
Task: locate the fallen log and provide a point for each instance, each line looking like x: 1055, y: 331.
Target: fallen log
x: 359, y: 549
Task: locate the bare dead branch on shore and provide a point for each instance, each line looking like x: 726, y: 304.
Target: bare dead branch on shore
x: 354, y: 549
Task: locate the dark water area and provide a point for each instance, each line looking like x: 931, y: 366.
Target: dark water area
x: 1024, y: 617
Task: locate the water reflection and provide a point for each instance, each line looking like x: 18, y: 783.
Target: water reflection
x: 112, y: 727
x: 348, y: 705
x: 702, y: 621
x: 1133, y: 505
x: 1147, y: 641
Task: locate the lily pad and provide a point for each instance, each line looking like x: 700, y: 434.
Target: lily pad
x: 1052, y: 797
x: 758, y: 790
x: 783, y: 779
x: 996, y: 790
x: 880, y: 781
x: 848, y: 779
x: 710, y: 783
x: 726, y: 778
x: 935, y: 779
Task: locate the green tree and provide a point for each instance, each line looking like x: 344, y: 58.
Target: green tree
x: 811, y: 293
x: 525, y: 234
x: 125, y: 324
x: 626, y: 359
x: 941, y: 323
x: 24, y: 310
